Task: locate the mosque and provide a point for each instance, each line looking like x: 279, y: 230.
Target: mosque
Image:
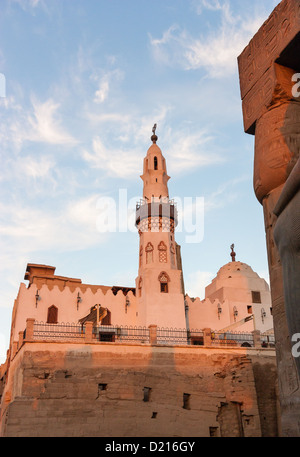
x: 143, y: 361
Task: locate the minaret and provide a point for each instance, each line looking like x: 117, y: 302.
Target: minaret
x: 159, y: 285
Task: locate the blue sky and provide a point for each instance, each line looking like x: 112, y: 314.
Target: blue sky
x: 85, y: 82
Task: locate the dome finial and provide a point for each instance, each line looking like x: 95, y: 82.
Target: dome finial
x: 233, y: 254
x: 154, y: 137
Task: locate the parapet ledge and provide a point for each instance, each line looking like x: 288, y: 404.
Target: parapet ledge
x: 43, y: 275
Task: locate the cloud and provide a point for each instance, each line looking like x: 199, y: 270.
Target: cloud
x: 196, y: 282
x: 121, y: 156
x: 190, y: 150
x: 104, y: 84
x: 224, y: 194
x: 102, y: 93
x: 37, y: 167
x: 26, y: 229
x: 40, y: 122
x: 45, y: 125
x: 215, y: 52
x: 28, y: 5
x: 186, y: 151
x: 122, y: 163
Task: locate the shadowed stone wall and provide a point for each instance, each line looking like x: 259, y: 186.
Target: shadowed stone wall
x: 133, y: 390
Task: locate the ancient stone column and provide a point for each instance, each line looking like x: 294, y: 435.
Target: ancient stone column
x: 271, y: 112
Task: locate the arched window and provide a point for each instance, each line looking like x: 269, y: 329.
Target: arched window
x: 52, y: 315
x: 162, y: 249
x: 155, y: 163
x: 164, y: 282
x: 149, y: 253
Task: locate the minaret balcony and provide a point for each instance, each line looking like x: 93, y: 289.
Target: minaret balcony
x: 162, y: 207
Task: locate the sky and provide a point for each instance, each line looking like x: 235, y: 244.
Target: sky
x: 82, y: 82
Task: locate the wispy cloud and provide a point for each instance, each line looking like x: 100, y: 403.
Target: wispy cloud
x: 104, y: 84
x: 72, y: 226
x: 45, y: 124
x: 39, y: 122
x: 190, y: 150
x: 28, y: 5
x: 216, y: 51
x: 115, y: 162
x: 225, y: 194
x: 186, y: 150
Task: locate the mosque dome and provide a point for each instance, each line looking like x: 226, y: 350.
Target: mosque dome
x: 238, y: 280
x: 237, y: 270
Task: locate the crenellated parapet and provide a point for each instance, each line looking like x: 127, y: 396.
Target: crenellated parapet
x: 50, y: 298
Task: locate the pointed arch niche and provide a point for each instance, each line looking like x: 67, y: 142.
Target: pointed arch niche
x: 149, y: 253
x: 52, y: 315
x: 164, y: 282
x: 162, y: 249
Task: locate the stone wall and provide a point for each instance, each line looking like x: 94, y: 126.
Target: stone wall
x: 112, y: 390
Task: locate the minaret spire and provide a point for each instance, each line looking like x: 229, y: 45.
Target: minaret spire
x: 155, y: 175
x: 159, y: 285
x: 233, y: 254
x: 154, y: 137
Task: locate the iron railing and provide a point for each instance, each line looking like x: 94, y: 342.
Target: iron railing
x: 59, y: 331
x: 267, y: 340
x: 164, y: 336
x: 121, y: 334
x: 232, y: 339
x: 173, y: 336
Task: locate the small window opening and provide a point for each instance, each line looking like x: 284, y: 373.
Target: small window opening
x: 154, y: 415
x: 249, y: 308
x: 186, y: 401
x: 147, y: 391
x: 213, y: 431
x: 164, y: 279
x: 102, y: 387
x: 256, y: 298
x: 155, y: 163
x: 164, y: 287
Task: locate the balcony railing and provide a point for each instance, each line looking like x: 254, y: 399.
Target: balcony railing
x: 173, y: 336
x: 153, y: 335
x: 121, y: 334
x: 163, y: 209
x: 59, y: 331
x: 232, y: 339
x: 166, y: 200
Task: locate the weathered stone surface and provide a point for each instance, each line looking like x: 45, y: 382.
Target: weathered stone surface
x: 69, y: 402
x: 287, y: 238
x: 257, y: 75
x: 272, y: 112
x: 274, y: 85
